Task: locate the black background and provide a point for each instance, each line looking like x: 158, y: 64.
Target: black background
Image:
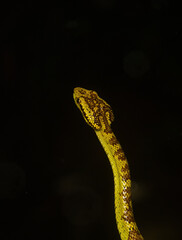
x: 55, y: 179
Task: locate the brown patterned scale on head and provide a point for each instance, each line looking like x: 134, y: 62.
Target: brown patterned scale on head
x: 98, y: 114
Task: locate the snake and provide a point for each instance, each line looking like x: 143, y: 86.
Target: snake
x: 99, y: 115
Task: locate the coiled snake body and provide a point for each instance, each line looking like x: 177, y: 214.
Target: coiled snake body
x: 98, y: 114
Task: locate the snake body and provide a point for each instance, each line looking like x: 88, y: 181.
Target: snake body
x: 98, y: 114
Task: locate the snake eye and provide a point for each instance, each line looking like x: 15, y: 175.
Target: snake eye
x: 78, y: 100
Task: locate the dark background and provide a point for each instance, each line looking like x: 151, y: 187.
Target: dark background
x: 55, y: 179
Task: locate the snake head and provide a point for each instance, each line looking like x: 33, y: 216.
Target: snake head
x: 96, y: 112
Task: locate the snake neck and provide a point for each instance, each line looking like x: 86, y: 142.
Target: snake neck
x: 123, y: 206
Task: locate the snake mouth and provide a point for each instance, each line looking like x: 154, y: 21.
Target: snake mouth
x: 77, y: 101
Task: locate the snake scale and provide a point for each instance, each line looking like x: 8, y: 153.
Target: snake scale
x: 98, y: 114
